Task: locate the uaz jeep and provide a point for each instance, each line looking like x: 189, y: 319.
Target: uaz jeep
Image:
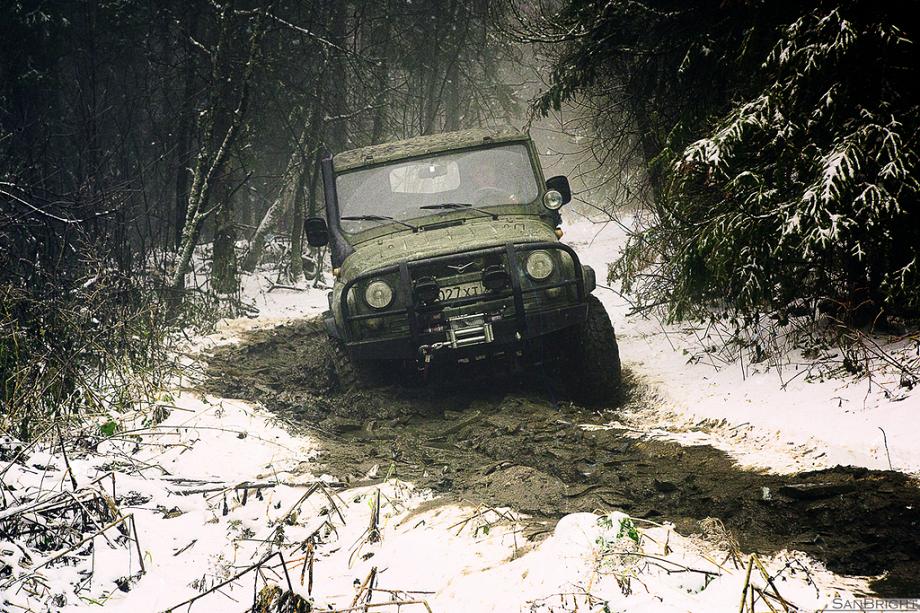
x: 446, y: 247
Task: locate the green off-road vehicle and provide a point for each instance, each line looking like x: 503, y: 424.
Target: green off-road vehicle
x: 446, y: 248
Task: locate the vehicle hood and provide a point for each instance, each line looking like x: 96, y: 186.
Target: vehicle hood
x: 473, y: 234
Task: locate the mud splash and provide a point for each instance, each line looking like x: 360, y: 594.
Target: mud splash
x: 513, y: 443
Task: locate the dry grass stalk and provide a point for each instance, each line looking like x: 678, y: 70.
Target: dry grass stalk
x: 754, y: 593
x: 372, y: 533
x: 716, y: 533
x: 482, y: 514
x: 366, y: 589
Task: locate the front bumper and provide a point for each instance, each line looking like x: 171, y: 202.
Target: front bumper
x: 505, y: 333
x: 525, y: 317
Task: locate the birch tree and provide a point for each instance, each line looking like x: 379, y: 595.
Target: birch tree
x: 215, y: 148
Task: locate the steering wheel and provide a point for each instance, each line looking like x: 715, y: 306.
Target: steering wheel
x: 493, y: 195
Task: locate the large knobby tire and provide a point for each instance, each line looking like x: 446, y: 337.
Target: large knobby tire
x: 349, y: 373
x: 593, y: 370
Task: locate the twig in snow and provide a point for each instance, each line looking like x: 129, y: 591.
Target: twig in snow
x: 367, y: 586
x: 314, y: 487
x: 481, y: 513
x: 887, y: 453
x: 308, y: 566
x: 782, y: 601
x: 747, y: 582
x: 257, y: 566
x: 120, y: 521
x: 25, y: 450
x: 73, y: 480
x: 186, y: 548
x: 376, y: 605
x: 288, y: 287
x: 220, y: 489
x: 680, y: 568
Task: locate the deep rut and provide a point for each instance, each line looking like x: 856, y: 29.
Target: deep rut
x: 512, y: 443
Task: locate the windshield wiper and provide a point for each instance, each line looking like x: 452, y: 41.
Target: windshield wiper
x: 455, y: 206
x: 378, y: 218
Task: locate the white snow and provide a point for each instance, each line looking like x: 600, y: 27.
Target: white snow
x: 453, y: 556
x: 763, y: 418
x: 279, y: 304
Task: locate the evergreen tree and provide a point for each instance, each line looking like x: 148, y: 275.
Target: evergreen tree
x: 780, y: 140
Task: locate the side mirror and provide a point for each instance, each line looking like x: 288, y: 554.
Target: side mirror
x: 560, y: 184
x: 316, y: 231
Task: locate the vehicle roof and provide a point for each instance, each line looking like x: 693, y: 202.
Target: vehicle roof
x: 421, y: 145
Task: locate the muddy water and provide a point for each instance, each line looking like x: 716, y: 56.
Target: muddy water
x: 512, y: 442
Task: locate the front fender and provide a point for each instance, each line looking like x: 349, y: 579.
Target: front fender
x: 590, y: 278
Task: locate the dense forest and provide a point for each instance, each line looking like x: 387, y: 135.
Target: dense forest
x: 780, y: 144
x: 149, y: 151
x: 132, y: 132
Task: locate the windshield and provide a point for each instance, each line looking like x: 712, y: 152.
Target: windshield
x: 416, y: 187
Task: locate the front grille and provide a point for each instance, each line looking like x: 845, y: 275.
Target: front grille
x: 463, y: 270
x: 512, y: 302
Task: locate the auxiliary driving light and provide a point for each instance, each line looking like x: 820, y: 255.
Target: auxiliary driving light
x: 378, y: 294
x: 539, y: 265
x: 495, y: 278
x: 427, y: 289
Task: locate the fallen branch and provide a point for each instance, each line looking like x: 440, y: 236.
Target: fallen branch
x: 458, y: 426
x: 288, y: 287
x: 375, y: 605
x: 245, y: 485
x: 235, y: 577
x: 681, y: 568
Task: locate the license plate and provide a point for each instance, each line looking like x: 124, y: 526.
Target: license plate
x: 461, y: 290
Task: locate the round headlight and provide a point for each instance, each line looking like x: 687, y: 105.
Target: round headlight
x: 552, y: 200
x: 378, y: 294
x: 539, y: 265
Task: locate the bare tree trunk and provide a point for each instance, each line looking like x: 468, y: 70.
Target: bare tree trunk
x: 381, y: 42
x: 306, y: 170
x: 336, y: 134
x: 184, y: 139
x: 452, y: 102
x: 208, y: 166
x: 297, y: 207
x: 223, y: 272
x: 275, y: 212
x: 313, y: 210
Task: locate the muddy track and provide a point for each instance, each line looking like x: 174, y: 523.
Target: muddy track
x: 513, y: 443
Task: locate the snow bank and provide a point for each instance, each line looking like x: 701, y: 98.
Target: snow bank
x: 779, y: 422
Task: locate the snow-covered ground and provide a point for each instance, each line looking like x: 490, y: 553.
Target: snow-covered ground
x: 452, y: 557
x: 764, y: 418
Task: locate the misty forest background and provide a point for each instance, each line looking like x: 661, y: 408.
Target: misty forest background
x: 763, y: 153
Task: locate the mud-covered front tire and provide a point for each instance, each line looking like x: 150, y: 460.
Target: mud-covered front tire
x: 592, y: 371
x: 349, y: 373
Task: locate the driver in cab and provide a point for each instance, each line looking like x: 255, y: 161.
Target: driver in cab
x: 488, y: 188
